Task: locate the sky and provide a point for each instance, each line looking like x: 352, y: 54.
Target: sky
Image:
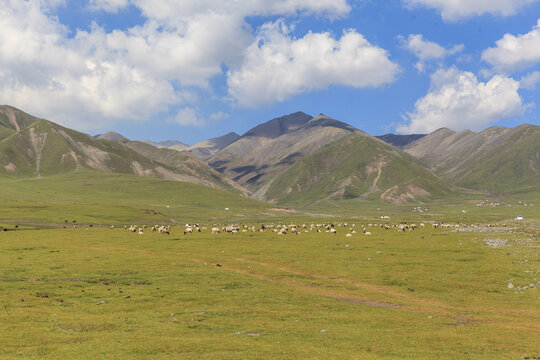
x: 190, y: 70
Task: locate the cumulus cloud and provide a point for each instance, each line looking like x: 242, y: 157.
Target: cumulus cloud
x: 529, y: 81
x: 174, y: 10
x: 459, y: 101
x: 220, y: 115
x: 427, y: 50
x: 108, y: 5
x: 70, y: 80
x: 453, y: 10
x: 88, y: 79
x: 515, y: 52
x: 187, y: 117
x: 277, y: 66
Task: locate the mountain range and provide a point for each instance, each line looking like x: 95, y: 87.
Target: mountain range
x: 296, y: 160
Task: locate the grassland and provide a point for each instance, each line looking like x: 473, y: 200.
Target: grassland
x: 111, y: 294
x: 93, y: 198
x: 88, y: 197
x: 101, y: 293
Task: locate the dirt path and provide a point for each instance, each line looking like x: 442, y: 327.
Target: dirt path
x: 392, y: 298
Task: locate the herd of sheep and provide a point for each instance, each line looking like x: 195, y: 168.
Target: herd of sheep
x: 283, y: 229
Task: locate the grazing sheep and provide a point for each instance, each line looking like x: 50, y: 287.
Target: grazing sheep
x: 215, y: 230
x: 189, y: 230
x: 141, y: 232
x: 164, y: 230
x: 333, y: 231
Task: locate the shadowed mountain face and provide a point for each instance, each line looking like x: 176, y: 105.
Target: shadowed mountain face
x: 400, y: 141
x: 497, y: 159
x: 36, y: 147
x: 279, y: 126
x: 205, y: 149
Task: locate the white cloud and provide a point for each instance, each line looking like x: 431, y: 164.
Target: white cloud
x: 427, y: 50
x: 93, y: 78
x: 453, y: 10
x: 108, y: 5
x: 190, y: 54
x: 276, y: 66
x: 174, y: 10
x: 515, y: 52
x: 219, y: 116
x: 67, y: 79
x: 187, y: 117
x: 459, y: 101
x: 530, y: 81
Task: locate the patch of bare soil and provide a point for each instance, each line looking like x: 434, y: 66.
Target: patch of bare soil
x: 409, y: 192
x: 38, y: 143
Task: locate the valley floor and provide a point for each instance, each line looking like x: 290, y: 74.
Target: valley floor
x: 426, y: 294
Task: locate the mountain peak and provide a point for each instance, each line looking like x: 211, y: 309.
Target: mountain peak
x: 444, y: 130
x: 205, y: 149
x: 400, y: 141
x: 168, y: 144
x: 322, y: 120
x: 279, y: 126
x: 111, y: 136
x: 15, y: 119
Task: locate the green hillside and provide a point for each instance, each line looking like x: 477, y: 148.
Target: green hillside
x: 498, y: 159
x: 511, y: 165
x: 356, y: 167
x: 45, y: 148
x: 33, y: 147
x: 92, y: 197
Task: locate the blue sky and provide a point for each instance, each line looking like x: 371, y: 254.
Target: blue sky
x: 193, y: 69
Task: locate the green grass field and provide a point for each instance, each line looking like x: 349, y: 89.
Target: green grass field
x: 94, y: 198
x: 428, y: 294
x: 91, y: 197
x: 101, y: 293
